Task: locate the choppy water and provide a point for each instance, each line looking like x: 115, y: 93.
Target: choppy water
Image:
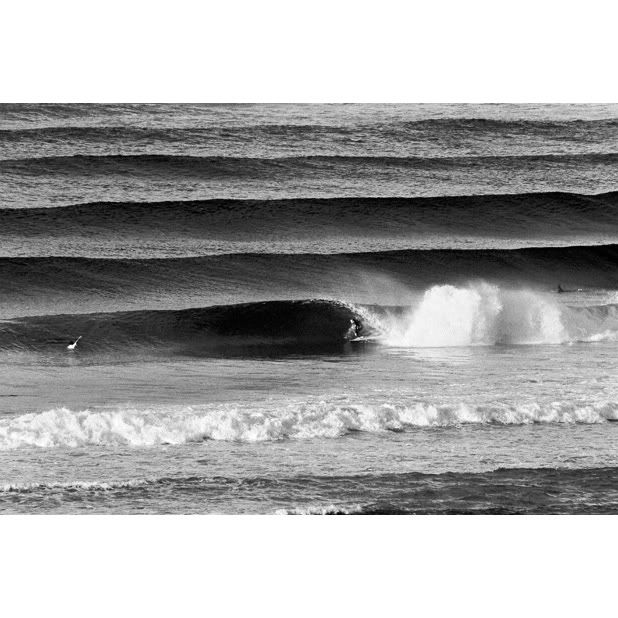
x: 217, y: 262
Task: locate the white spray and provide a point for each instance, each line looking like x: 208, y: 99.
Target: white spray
x: 480, y: 314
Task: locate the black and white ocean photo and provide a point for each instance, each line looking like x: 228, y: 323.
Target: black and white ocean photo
x: 308, y: 308
x: 263, y: 263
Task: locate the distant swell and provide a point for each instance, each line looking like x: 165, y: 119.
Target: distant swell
x: 286, y: 137
x: 63, y: 284
x: 519, y: 215
x: 252, y: 167
x: 307, y: 133
x: 303, y: 128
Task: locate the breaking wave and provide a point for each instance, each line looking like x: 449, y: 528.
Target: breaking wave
x: 329, y: 509
x: 480, y: 314
x: 18, y: 488
x: 485, y: 314
x: 65, y: 428
x: 445, y: 316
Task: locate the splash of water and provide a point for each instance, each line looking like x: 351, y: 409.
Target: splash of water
x: 480, y: 314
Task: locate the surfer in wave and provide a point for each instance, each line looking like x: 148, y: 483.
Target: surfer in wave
x: 353, y: 331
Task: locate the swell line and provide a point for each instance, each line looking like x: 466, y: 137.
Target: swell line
x: 76, y: 161
x: 527, y: 210
x: 31, y: 286
x: 574, y: 265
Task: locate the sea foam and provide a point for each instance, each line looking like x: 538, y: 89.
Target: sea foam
x: 74, y: 486
x: 485, y: 314
x: 125, y: 426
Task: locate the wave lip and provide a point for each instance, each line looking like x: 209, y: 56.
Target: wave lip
x: 66, y: 428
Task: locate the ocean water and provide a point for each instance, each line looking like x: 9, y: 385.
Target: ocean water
x: 309, y: 308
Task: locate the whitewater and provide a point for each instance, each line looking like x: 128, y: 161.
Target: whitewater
x: 127, y: 426
x: 483, y: 314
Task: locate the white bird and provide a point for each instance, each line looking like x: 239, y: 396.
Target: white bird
x: 71, y: 346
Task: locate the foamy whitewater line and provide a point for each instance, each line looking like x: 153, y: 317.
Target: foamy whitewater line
x: 330, y: 509
x: 65, y: 428
x: 484, y: 314
x: 76, y: 485
x: 478, y: 314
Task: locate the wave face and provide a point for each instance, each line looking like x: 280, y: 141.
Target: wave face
x: 65, y: 428
x: 174, y: 229
x: 301, y: 324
